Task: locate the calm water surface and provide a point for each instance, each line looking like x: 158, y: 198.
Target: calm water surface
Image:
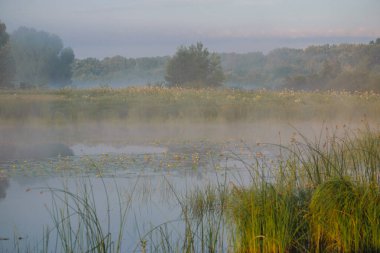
x: 148, y: 179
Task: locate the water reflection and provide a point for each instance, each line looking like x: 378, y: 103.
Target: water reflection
x: 4, y: 184
x: 148, y: 179
x: 35, y: 151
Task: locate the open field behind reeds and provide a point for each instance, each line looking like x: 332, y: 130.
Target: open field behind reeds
x: 153, y: 104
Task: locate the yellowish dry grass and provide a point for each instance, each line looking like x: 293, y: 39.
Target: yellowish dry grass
x: 144, y: 104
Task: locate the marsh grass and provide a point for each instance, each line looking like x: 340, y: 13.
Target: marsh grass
x: 345, y: 217
x: 351, y: 154
x: 199, y: 228
x: 202, y: 215
x: 321, y: 196
x: 79, y: 226
x: 164, y: 104
x: 268, y: 219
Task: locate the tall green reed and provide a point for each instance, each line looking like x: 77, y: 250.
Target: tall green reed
x: 321, y: 195
x: 200, y: 226
x: 77, y: 223
x: 345, y: 216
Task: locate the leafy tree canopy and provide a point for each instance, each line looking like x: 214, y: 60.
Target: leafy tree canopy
x: 40, y: 58
x: 194, y: 66
x: 6, y: 60
x: 4, y: 36
x: 119, y: 71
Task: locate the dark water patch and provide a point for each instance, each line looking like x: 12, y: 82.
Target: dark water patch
x: 4, y: 184
x: 38, y: 151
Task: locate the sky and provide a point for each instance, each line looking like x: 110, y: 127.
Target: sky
x: 139, y: 28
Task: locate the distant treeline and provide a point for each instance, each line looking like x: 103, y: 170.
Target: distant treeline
x: 341, y: 67
x: 31, y: 58
x: 354, y: 67
x: 119, y: 71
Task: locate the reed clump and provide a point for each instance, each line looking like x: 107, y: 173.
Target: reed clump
x: 267, y: 220
x: 345, y: 217
x: 78, y: 225
x: 321, y: 196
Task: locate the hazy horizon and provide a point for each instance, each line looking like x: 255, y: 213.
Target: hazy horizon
x: 147, y: 28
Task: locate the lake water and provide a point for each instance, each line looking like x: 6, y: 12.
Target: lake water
x: 150, y: 182
x: 148, y: 170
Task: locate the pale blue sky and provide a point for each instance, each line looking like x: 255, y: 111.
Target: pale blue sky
x: 135, y: 28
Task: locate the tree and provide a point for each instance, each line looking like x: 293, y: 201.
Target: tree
x: 40, y: 58
x: 377, y: 41
x: 88, y: 69
x: 194, y: 66
x: 62, y: 72
x: 6, y: 61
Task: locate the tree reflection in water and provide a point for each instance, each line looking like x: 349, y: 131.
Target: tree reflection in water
x: 4, y: 183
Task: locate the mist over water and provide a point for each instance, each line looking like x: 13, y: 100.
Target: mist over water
x: 119, y: 134
x: 149, y: 163
x: 107, y: 106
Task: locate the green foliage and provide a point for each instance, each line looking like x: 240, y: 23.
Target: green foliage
x: 7, y: 67
x: 353, y: 67
x: 268, y: 219
x: 4, y: 37
x: 40, y: 58
x: 377, y: 41
x: 341, y: 67
x: 118, y: 71
x: 62, y: 71
x: 88, y: 69
x: 194, y: 66
x: 345, y: 216
x: 322, y: 196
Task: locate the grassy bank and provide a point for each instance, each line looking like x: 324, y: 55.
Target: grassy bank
x: 162, y: 104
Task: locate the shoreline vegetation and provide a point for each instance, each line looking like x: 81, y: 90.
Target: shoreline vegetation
x: 318, y: 195
x: 322, y: 196
x: 158, y: 104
